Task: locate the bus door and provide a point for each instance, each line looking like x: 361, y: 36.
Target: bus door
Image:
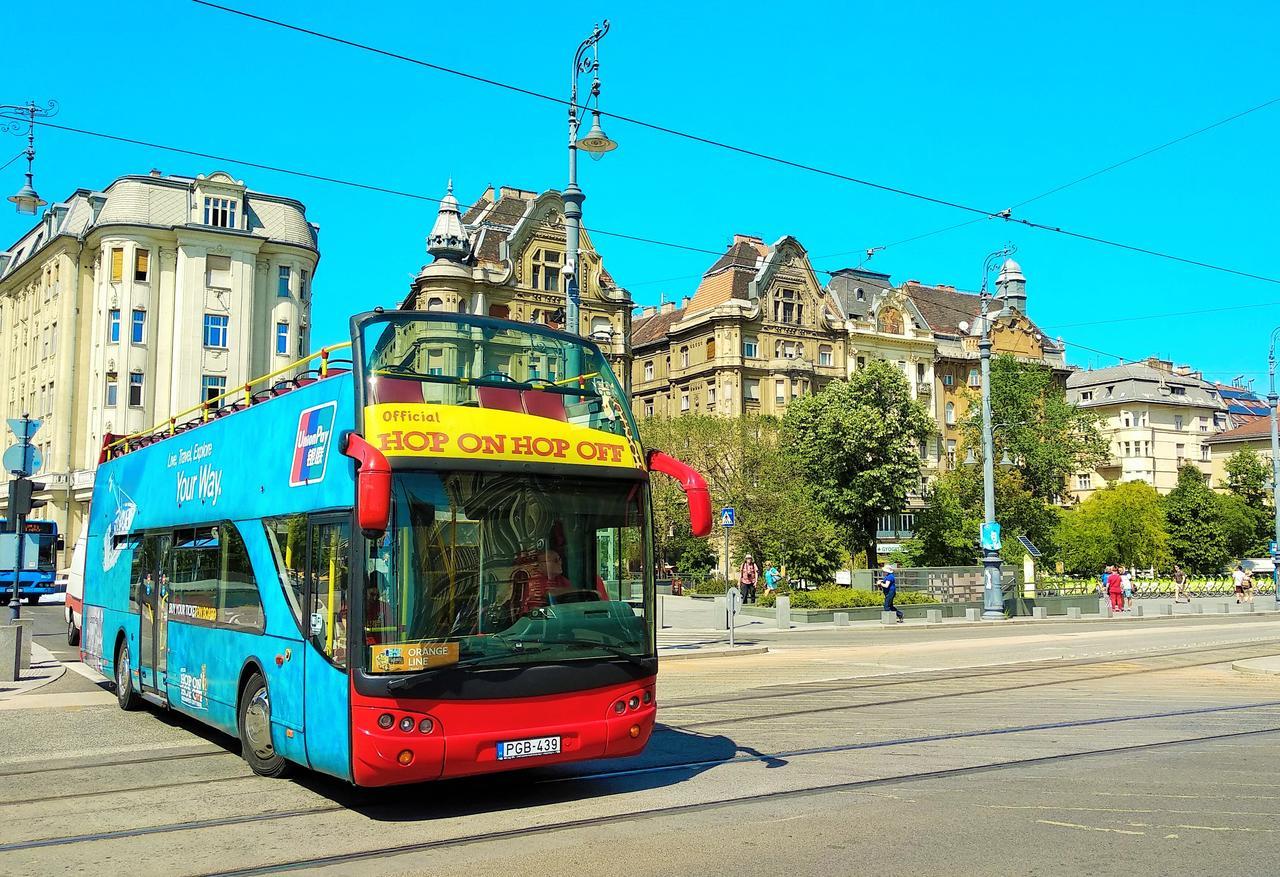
x: 326, y: 704
x: 152, y: 583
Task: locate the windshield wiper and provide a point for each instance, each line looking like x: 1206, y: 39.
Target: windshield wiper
x: 518, y: 648
x: 588, y: 644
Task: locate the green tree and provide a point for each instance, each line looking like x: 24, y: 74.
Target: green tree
x: 1197, y: 526
x: 1248, y: 476
x: 1122, y: 523
x: 1049, y: 438
x: 857, y: 443
x: 1248, y: 505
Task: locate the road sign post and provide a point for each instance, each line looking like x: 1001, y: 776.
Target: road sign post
x: 733, y: 603
x: 21, y: 460
x: 728, y: 519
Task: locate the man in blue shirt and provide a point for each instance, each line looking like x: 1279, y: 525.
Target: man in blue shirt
x: 889, y: 584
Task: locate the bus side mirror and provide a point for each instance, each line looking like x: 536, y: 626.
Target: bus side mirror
x: 373, y: 485
x: 693, y: 485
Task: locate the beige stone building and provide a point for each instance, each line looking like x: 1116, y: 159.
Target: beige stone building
x: 1156, y: 416
x: 759, y: 330
x: 1255, y: 434
x: 125, y: 305
x: 504, y: 257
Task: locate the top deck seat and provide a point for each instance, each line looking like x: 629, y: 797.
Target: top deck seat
x: 500, y: 399
x: 383, y: 389
x: 541, y: 403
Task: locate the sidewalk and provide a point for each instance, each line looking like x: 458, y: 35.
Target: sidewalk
x: 1259, y: 666
x: 45, y: 668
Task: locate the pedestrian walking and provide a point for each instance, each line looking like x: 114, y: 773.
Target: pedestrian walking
x: 1248, y: 587
x: 1180, y: 585
x: 1115, y: 590
x: 1239, y: 576
x: 771, y: 578
x: 1126, y: 588
x: 747, y: 577
x: 889, y: 584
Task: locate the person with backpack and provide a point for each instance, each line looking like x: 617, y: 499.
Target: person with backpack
x: 747, y: 577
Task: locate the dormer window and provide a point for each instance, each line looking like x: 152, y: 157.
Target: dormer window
x: 546, y: 271
x: 787, y: 307
x: 220, y: 212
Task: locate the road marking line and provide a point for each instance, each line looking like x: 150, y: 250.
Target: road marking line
x: 85, y: 670
x: 1087, y: 827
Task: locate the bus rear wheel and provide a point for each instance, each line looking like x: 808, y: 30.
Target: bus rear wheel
x: 73, y: 632
x: 33, y: 599
x: 125, y: 695
x: 255, y: 730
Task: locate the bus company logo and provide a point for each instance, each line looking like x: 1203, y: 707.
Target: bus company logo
x: 194, y: 690
x: 311, y: 448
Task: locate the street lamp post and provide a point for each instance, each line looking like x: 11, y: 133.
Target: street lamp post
x: 1272, y: 401
x: 25, y: 200
x: 992, y: 584
x: 596, y: 144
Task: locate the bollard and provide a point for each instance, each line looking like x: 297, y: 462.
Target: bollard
x: 26, y: 642
x: 841, y: 619
x: 1106, y: 611
x: 1164, y: 610
x: 888, y: 617
x: 972, y: 614
x: 1136, y: 610
x: 782, y: 613
x: 662, y: 611
x: 1246, y: 607
x: 1039, y: 612
x: 1222, y: 608
x: 1073, y: 613
x: 10, y: 652
x: 1196, y: 608
x: 720, y: 613
x: 933, y: 616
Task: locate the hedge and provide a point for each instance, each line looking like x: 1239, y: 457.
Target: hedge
x: 844, y: 598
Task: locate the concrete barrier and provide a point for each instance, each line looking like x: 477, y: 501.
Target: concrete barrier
x: 10, y: 652
x: 1246, y: 607
x: 27, y: 630
x: 841, y: 619
x: 782, y: 613
x: 720, y: 613
x: 972, y: 614
x: 1221, y: 608
x: 1073, y: 613
x: 933, y: 616
x: 1106, y: 612
x: 1164, y: 610
x: 1136, y: 610
x: 1039, y: 612
x: 888, y: 617
x: 1196, y: 609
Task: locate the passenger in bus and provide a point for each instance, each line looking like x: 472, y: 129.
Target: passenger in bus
x: 545, y: 579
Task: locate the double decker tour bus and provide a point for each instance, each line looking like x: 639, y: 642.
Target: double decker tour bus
x: 40, y: 577
x: 432, y: 560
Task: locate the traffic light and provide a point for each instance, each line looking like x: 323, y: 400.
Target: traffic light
x: 20, y: 501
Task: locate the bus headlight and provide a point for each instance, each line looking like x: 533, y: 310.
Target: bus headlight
x: 406, y: 724
x: 385, y: 721
x: 426, y: 726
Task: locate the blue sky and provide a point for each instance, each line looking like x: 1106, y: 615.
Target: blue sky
x: 982, y: 103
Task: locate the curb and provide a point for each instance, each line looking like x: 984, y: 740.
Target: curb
x: 725, y: 652
x: 40, y: 656
x: 1258, y: 667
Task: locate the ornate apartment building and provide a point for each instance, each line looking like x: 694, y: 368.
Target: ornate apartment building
x: 759, y: 331
x: 504, y: 257
x: 125, y: 305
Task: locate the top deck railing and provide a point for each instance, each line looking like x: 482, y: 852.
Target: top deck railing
x: 213, y: 408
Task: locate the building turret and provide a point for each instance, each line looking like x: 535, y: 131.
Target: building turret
x: 448, y: 238
x: 1011, y: 287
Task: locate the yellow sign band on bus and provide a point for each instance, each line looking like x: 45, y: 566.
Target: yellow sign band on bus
x: 454, y: 432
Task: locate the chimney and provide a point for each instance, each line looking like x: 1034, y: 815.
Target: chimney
x: 648, y: 311
x: 155, y: 172
x: 668, y: 307
x: 684, y: 302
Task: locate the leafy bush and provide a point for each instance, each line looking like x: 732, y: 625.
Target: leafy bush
x: 715, y: 587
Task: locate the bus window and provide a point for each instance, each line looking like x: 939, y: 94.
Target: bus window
x: 288, y: 538
x: 193, y: 592
x: 143, y: 572
x: 239, y: 605
x: 330, y: 544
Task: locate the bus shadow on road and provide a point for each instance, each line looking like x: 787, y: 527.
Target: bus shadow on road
x: 673, y: 756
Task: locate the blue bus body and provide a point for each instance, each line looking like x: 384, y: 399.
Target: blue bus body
x: 42, y: 581
x: 235, y: 471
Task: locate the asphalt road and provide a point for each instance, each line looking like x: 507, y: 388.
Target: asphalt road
x: 1111, y: 749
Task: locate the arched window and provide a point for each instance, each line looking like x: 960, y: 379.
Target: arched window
x: 462, y: 306
x: 951, y: 412
x: 787, y: 307
x: 435, y: 304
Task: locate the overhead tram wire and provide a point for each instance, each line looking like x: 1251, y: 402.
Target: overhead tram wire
x: 386, y: 190
x: 12, y: 160
x: 1004, y: 214
x: 1068, y: 185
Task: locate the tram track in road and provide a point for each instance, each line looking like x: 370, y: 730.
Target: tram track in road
x: 1270, y: 645
x: 397, y: 808
x: 29, y: 770
x: 681, y: 809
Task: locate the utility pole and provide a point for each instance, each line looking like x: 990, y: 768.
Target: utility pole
x: 1272, y: 401
x: 992, y: 578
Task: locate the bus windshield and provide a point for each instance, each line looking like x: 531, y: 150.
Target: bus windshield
x: 456, y: 359
x: 498, y: 569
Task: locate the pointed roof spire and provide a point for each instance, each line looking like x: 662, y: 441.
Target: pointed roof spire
x: 448, y: 238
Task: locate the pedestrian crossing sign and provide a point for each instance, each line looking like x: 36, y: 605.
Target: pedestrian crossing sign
x: 728, y: 516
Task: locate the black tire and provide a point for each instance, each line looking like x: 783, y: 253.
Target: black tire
x: 125, y: 694
x: 73, y: 632
x: 33, y: 599
x: 254, y: 722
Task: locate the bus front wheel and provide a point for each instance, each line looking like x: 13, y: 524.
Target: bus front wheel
x: 127, y: 697
x: 33, y: 599
x: 255, y: 730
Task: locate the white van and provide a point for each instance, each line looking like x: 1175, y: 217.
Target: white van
x: 74, y: 576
